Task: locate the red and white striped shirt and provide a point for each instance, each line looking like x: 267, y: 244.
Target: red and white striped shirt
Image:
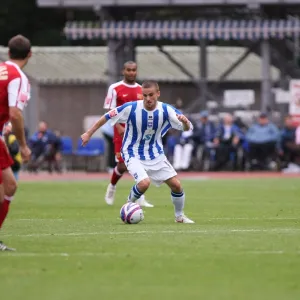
x: 14, y: 90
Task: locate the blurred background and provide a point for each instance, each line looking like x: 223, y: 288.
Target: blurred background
x: 231, y: 65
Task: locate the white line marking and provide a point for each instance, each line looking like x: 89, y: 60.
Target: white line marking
x: 257, y: 218
x: 203, y: 219
x: 99, y: 254
x: 208, y: 231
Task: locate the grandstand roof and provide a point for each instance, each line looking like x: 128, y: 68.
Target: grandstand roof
x: 229, y: 29
x: 88, y: 65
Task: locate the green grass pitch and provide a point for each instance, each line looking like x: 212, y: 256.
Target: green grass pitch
x: 71, y: 246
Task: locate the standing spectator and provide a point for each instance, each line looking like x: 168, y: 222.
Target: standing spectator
x: 262, y: 138
x: 13, y: 149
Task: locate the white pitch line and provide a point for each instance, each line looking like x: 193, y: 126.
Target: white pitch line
x: 102, y: 254
x: 257, y: 218
x: 213, y: 231
x: 204, y: 219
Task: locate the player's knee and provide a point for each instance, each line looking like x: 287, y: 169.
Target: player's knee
x: 121, y: 168
x: 143, y: 185
x: 10, y: 187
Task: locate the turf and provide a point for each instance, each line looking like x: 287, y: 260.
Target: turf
x: 244, y: 245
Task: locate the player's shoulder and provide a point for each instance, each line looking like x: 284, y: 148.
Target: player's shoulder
x: 129, y: 104
x: 12, y: 71
x: 168, y: 108
x: 116, y: 85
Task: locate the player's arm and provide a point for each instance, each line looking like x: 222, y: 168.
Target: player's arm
x: 186, y: 124
x: 90, y: 132
x: 117, y: 115
x: 178, y: 120
x: 17, y: 99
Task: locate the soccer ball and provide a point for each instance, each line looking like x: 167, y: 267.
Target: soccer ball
x: 131, y: 213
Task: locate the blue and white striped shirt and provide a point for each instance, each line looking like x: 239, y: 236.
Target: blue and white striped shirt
x: 144, y: 129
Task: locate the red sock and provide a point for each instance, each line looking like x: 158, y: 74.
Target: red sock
x: 4, y: 208
x: 115, y: 177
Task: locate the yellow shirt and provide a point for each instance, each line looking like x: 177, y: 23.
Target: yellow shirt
x: 11, y: 139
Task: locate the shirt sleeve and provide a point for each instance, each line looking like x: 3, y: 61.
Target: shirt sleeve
x: 18, y: 93
x: 111, y: 98
x: 120, y: 114
x: 174, y: 122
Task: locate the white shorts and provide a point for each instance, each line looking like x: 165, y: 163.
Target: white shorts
x: 158, y: 172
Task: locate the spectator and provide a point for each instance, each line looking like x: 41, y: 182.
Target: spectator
x: 240, y: 124
x: 262, y: 140
x: 293, y: 147
x: 13, y: 148
x: 227, y: 140
x: 54, y: 156
x: 41, y: 144
x: 287, y: 136
x: 203, y: 134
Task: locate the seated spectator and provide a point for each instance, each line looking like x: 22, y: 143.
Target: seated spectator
x: 293, y: 148
x: 42, y: 145
x: 287, y: 136
x: 54, y: 157
x: 13, y: 148
x: 203, y: 134
x: 227, y: 140
x: 240, y: 124
x: 262, y: 138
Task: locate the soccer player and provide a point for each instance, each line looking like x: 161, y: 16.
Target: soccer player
x: 14, y: 94
x: 146, y: 123
x: 119, y: 93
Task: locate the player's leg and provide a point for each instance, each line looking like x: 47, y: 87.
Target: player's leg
x: 142, y: 180
x: 8, y: 188
x: 164, y: 172
x: 118, y: 172
x: 178, y: 199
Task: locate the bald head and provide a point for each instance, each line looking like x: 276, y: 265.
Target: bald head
x: 130, y: 72
x: 129, y: 63
x: 228, y: 120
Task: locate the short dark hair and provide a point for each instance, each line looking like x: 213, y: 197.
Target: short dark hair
x: 149, y: 84
x: 130, y: 62
x: 19, y: 47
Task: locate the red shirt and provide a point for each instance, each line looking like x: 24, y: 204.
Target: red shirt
x: 14, y: 90
x: 120, y: 93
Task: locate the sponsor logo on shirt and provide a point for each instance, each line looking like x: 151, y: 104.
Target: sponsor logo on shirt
x: 113, y: 113
x: 3, y: 73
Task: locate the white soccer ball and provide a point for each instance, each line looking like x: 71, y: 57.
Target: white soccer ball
x: 131, y: 213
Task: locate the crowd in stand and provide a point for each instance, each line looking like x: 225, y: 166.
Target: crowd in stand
x: 46, y: 146
x: 233, y: 145
x: 227, y: 145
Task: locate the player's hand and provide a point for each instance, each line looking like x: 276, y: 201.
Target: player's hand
x: 25, y: 153
x: 85, y: 138
x: 183, y: 119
